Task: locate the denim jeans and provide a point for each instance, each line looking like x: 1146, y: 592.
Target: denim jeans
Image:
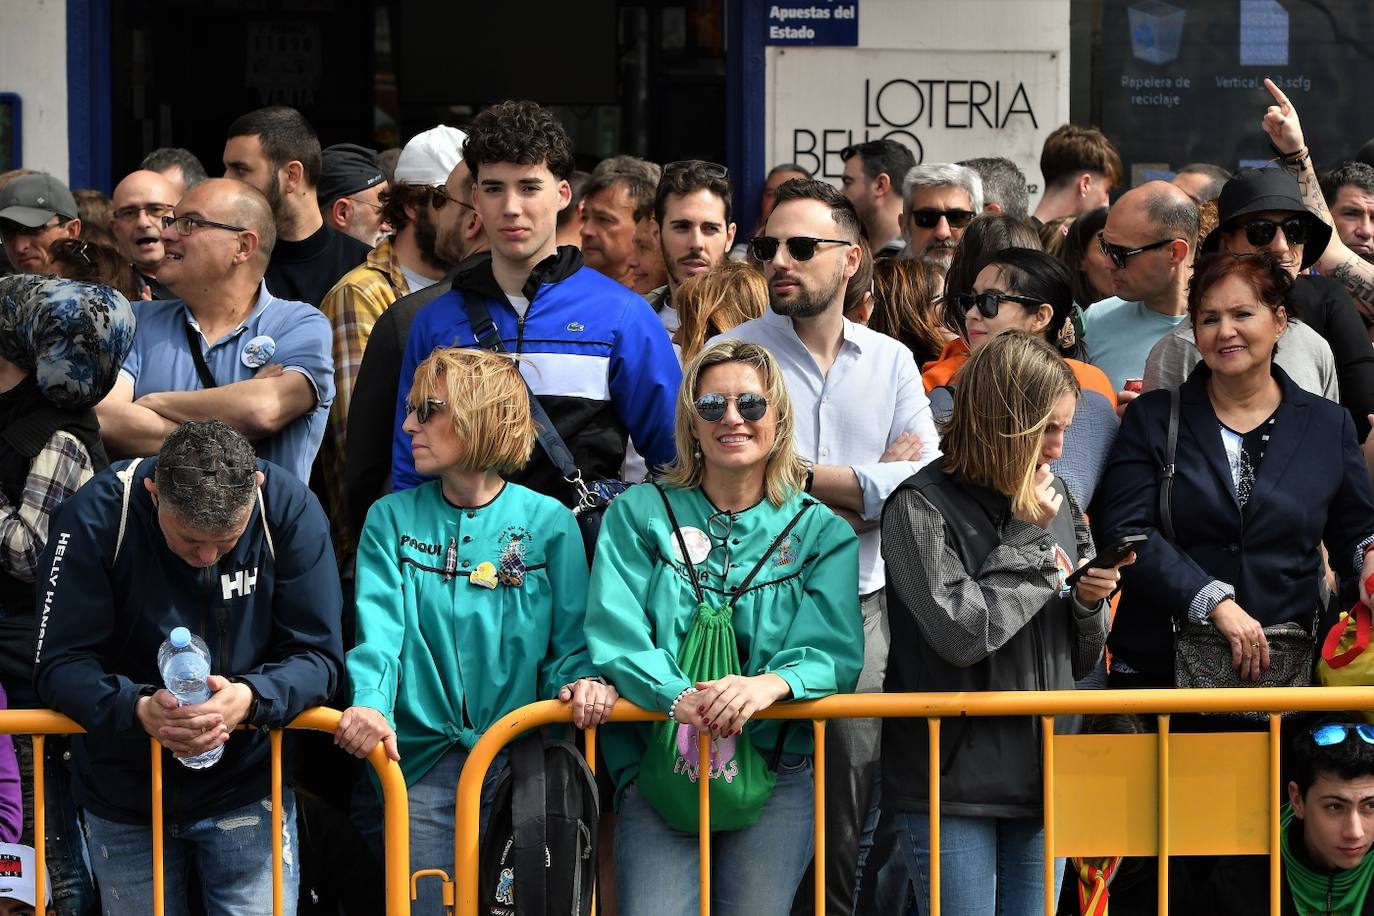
x: 231, y: 852
x: 754, y: 871
x: 73, y: 893
x: 988, y: 866
x: 432, y: 801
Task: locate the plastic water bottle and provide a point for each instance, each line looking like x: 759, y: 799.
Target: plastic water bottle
x: 184, y: 661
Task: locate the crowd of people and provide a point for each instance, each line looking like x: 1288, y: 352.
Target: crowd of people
x: 433, y: 435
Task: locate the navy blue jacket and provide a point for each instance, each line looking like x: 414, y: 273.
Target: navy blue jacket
x: 1313, y: 487
x: 269, y: 612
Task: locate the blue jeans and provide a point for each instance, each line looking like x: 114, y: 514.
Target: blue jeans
x: 988, y: 866
x: 431, y: 801
x: 73, y: 893
x: 231, y: 852
x: 754, y: 871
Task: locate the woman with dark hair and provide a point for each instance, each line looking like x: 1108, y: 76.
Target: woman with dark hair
x: 92, y: 262
x: 907, y: 306
x: 858, y: 292
x: 1088, y: 266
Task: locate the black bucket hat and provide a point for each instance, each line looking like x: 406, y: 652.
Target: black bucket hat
x: 1260, y: 190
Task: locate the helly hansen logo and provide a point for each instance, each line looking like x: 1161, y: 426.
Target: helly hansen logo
x: 240, y: 583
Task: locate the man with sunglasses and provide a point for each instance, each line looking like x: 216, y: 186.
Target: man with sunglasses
x: 209, y: 537
x: 140, y: 202
x: 941, y: 200
x: 862, y: 417
x: 350, y: 192
x: 35, y: 211
x: 228, y: 348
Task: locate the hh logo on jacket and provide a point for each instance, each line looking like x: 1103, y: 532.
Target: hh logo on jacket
x: 240, y: 583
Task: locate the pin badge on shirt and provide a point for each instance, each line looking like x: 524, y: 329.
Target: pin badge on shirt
x: 698, y: 544
x: 258, y: 351
x: 484, y: 575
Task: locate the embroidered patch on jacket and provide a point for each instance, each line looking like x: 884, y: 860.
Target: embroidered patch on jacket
x: 576, y: 326
x: 510, y: 567
x: 786, y: 554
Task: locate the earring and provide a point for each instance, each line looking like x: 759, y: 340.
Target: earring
x: 696, y: 449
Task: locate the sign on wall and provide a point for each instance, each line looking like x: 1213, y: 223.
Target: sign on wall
x: 823, y: 22
x: 943, y: 105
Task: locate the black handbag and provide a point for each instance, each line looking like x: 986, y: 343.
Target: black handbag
x: 592, y: 496
x: 1202, y: 656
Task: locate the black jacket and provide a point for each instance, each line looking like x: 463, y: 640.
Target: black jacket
x: 1324, y: 306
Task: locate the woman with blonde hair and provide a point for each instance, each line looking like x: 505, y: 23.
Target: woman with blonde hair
x: 712, y: 303
x: 979, y: 547
x: 471, y: 593
x: 726, y: 550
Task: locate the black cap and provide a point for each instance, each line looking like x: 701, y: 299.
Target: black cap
x: 346, y: 168
x: 1259, y: 190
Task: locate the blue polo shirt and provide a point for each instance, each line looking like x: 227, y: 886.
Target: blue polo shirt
x: 293, y: 334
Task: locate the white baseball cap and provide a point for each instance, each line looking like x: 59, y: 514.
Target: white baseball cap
x: 17, y: 870
x: 429, y: 156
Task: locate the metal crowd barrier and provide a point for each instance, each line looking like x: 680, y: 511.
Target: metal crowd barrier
x: 1161, y: 795
x: 40, y: 723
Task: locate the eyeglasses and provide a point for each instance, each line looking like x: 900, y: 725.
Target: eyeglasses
x: 719, y: 526
x: 751, y: 407
x: 189, y: 476
x: 989, y: 303
x: 800, y: 247
x: 1260, y: 232
x: 156, y: 211
x: 1118, y: 254
x: 365, y: 203
x: 1337, y: 732
x: 439, y: 196
x: 425, y: 409
x: 712, y: 169
x: 185, y: 224
x: 928, y: 218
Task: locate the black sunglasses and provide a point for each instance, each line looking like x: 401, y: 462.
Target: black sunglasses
x: 425, y: 409
x: 1260, y: 232
x: 1337, y: 732
x: 439, y: 196
x: 751, y: 407
x: 189, y: 476
x: 712, y: 169
x: 928, y: 218
x: 989, y: 303
x: 1118, y: 254
x: 800, y: 247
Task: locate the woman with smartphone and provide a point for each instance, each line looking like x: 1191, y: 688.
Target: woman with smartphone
x: 980, y: 546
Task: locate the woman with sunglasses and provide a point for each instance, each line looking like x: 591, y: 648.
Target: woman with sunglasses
x: 1026, y: 290
x: 470, y: 600
x: 979, y: 547
x: 729, y: 526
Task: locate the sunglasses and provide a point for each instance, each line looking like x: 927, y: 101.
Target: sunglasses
x: 927, y: 218
x: 712, y: 169
x: 425, y: 409
x: 989, y: 303
x: 1118, y: 254
x: 1337, y: 732
x: 439, y: 196
x: 800, y: 247
x: 751, y: 407
x: 1260, y: 232
x: 188, y: 476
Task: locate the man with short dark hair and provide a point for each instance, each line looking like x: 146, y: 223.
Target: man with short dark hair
x: 207, y: 537
x: 872, y: 180
x: 1201, y: 181
x: 594, y: 353
x: 1350, y: 189
x: 941, y: 200
x: 1080, y: 167
x: 618, y: 198
x: 276, y: 151
x: 141, y: 200
x: 350, y: 191
x: 179, y: 166
x: 227, y: 348
x: 572, y: 217
x: 1004, y: 185
x: 862, y: 417
x: 35, y: 211
x: 692, y: 207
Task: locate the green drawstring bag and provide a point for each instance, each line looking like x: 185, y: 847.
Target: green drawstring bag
x: 741, y: 781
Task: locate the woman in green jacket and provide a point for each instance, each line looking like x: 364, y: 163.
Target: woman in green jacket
x: 729, y: 527
x: 471, y: 593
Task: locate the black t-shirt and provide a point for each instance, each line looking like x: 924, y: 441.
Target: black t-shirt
x: 1324, y: 306
x: 1245, y: 451
x: 307, y: 270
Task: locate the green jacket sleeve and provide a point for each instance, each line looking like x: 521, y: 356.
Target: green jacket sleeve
x: 567, y: 659
x: 374, y: 666
x: 824, y: 648
x: 619, y: 634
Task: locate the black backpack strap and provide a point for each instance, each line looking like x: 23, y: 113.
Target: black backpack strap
x: 806, y: 504
x: 207, y: 379
x: 1166, y: 476
x: 681, y: 543
x: 528, y: 824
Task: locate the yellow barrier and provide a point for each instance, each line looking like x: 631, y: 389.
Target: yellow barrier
x: 39, y: 723
x: 1158, y: 781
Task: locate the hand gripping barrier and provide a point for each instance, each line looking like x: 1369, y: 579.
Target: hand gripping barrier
x: 1224, y: 799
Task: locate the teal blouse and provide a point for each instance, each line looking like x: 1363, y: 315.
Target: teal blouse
x: 798, y: 619
x: 442, y: 657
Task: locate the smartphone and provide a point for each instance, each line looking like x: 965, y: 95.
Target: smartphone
x: 1109, y: 557
x: 1135, y: 384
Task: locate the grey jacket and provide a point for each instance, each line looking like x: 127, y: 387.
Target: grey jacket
x: 1303, y: 354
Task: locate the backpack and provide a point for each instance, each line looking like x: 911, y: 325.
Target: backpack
x: 543, y: 819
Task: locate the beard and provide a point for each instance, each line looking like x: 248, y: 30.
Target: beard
x: 426, y: 240
x: 807, y: 302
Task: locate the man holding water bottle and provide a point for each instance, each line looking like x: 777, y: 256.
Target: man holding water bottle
x: 235, y: 550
